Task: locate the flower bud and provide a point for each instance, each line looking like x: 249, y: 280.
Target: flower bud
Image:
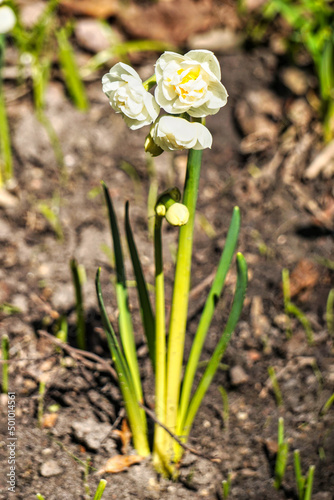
x: 177, y: 215
x: 151, y: 147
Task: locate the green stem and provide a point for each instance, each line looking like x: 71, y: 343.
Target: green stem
x: 180, y: 299
x: 6, y: 162
x: 160, y: 346
x: 150, y: 82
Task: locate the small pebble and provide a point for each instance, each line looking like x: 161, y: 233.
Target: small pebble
x: 50, y: 468
x: 238, y: 375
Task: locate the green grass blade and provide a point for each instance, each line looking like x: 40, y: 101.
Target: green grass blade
x: 300, y: 480
x: 232, y: 321
x: 207, y: 314
x: 282, y: 455
x: 70, y: 71
x: 125, y: 322
x: 79, y: 306
x: 295, y: 311
x: 100, y: 489
x: 280, y: 466
x: 6, y: 160
x: 5, y: 357
x: 280, y: 433
x: 330, y: 312
x: 39, y: 496
x: 275, y: 385
x: 135, y: 414
x: 144, y: 299
x: 327, y: 405
x: 309, y: 483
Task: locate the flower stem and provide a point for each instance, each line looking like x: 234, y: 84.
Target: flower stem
x: 160, y: 353
x: 180, y: 299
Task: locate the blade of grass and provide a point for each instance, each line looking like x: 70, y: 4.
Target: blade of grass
x: 282, y: 455
x: 295, y: 311
x: 275, y: 385
x: 70, y: 71
x: 207, y: 314
x: 330, y: 312
x: 309, y: 483
x: 226, y: 410
x: 300, y: 479
x: 144, y: 299
x: 211, y: 369
x: 327, y: 405
x: 125, y: 321
x: 100, y: 489
x: 6, y: 160
x: 79, y: 306
x: 135, y: 414
x: 5, y: 357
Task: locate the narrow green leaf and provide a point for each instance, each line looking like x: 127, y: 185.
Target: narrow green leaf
x: 79, y: 306
x: 300, y: 480
x: 144, y: 299
x: 100, y: 489
x: 327, y: 405
x: 135, y: 414
x: 207, y: 314
x: 6, y: 160
x: 212, y: 367
x: 330, y: 312
x: 5, y: 357
x: 125, y: 321
x: 280, y: 433
x: 70, y: 71
x: 281, y: 462
x: 309, y: 483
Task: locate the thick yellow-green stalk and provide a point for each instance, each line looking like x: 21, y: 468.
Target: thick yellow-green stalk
x: 180, y: 299
x: 159, y: 457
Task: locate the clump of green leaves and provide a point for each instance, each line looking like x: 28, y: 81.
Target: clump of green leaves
x: 304, y: 483
x: 312, y: 25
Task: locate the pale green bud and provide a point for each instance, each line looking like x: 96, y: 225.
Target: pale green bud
x: 177, y: 214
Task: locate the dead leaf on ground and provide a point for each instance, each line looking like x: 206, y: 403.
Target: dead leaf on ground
x: 124, y: 434
x: 101, y: 9
x: 49, y: 420
x: 304, y: 277
x: 119, y: 463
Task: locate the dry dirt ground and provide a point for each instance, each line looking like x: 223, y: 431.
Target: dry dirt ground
x: 263, y: 142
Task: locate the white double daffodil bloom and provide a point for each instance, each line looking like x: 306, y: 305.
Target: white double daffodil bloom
x: 190, y: 83
x: 126, y: 93
x: 7, y: 19
x: 172, y: 133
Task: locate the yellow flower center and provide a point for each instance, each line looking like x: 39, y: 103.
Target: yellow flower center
x: 192, y: 75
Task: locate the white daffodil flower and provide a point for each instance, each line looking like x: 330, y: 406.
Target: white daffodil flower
x: 190, y: 83
x: 126, y: 94
x: 172, y: 133
x: 7, y: 19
